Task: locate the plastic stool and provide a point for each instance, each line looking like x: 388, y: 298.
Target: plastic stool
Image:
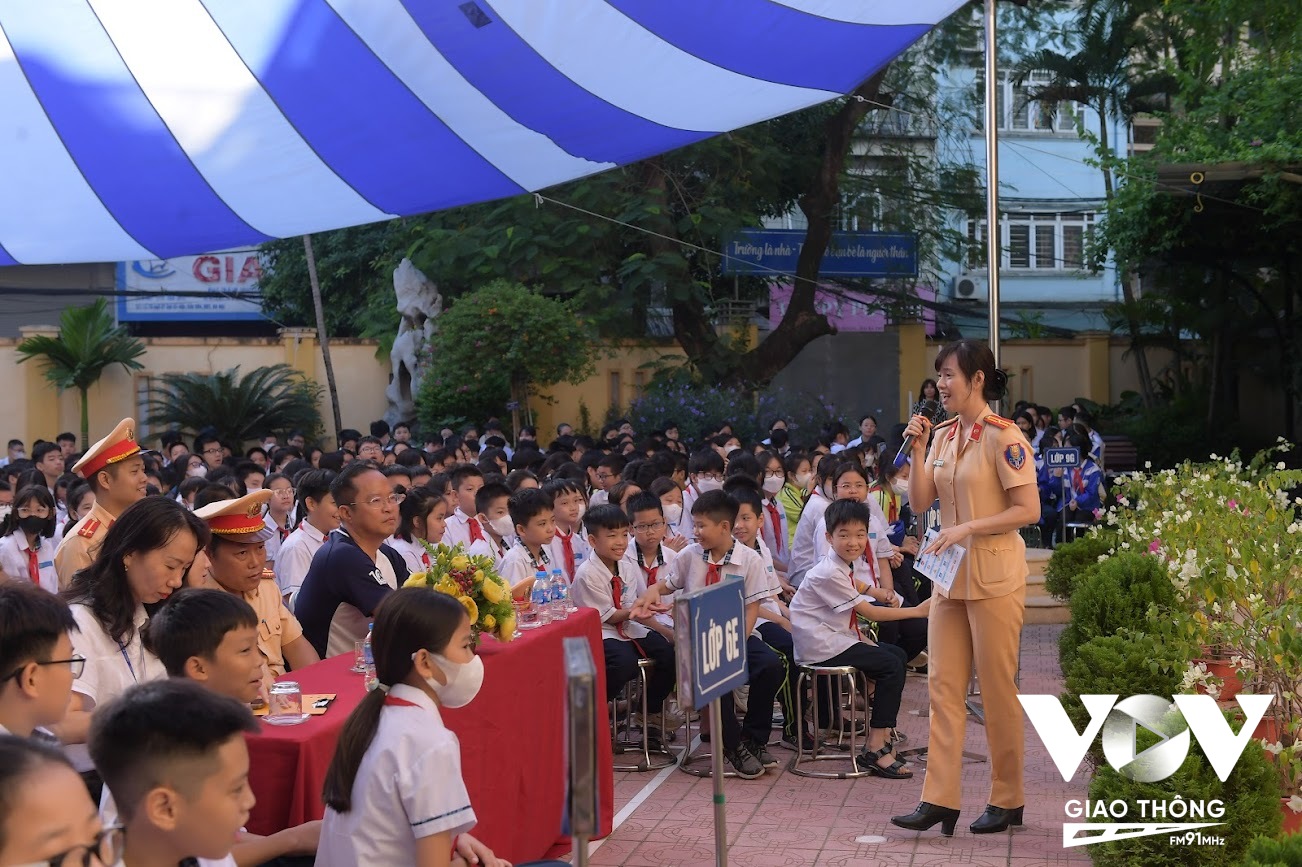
x: 663, y: 757
x: 847, y: 681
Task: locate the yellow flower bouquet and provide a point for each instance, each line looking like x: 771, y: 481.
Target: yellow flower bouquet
x: 474, y: 582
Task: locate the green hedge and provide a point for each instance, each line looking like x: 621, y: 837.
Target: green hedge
x: 1127, y: 591
x: 1071, y: 560
x: 1250, y: 795
x: 1269, y: 852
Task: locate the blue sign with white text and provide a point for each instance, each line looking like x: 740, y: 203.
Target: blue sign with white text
x: 849, y: 254
x: 1062, y: 459
x: 710, y: 641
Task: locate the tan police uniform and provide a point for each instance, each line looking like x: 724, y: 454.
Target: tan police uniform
x: 241, y: 521
x: 980, y: 619
x: 81, y: 543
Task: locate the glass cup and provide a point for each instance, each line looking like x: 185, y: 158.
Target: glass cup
x: 286, y: 703
x: 359, y: 656
x: 526, y: 614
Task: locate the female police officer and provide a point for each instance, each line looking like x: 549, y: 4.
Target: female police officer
x: 980, y: 467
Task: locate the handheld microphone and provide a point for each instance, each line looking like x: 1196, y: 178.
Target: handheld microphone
x: 928, y: 409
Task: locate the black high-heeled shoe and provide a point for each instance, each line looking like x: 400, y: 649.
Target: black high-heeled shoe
x: 996, y: 819
x: 927, y: 816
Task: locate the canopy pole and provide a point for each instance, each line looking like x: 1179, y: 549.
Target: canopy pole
x: 993, y: 229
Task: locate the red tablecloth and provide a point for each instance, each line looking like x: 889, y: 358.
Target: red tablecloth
x: 512, y: 743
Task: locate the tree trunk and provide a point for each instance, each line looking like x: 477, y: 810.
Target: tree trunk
x: 1127, y: 291
x: 85, y: 418
x: 802, y: 323
x: 322, y: 336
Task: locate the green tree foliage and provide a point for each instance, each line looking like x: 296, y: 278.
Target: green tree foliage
x: 89, y: 343
x: 1070, y: 562
x: 1269, y: 852
x: 275, y: 399
x: 355, y: 267
x: 1128, y: 591
x: 501, y: 343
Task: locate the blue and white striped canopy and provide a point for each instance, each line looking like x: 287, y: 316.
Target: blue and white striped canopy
x: 143, y: 129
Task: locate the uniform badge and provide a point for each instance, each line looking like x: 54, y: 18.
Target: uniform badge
x: 1015, y: 454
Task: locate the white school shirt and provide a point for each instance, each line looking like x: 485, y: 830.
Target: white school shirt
x: 690, y: 496
x: 110, y: 668
x: 294, y: 558
x: 654, y: 565
x: 770, y: 573
x: 413, y: 553
x: 579, y: 543
x: 518, y: 564
x: 14, y: 559
x: 821, y: 612
x: 457, y: 531
x: 593, y: 588
x: 598, y: 498
x: 777, y: 543
x: 688, y: 571
x: 408, y: 786
x: 803, y: 557
x: 486, y: 547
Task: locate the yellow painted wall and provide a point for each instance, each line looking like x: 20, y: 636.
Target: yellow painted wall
x: 36, y: 411
x: 623, y: 369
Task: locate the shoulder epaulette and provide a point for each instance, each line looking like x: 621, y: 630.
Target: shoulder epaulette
x: 88, y: 531
x: 946, y: 423
x: 999, y: 421
x: 268, y: 575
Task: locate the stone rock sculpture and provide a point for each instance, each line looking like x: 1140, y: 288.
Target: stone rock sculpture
x: 419, y: 304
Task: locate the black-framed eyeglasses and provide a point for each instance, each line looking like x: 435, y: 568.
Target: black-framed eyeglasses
x: 649, y: 528
x: 77, y: 662
x: 106, y: 850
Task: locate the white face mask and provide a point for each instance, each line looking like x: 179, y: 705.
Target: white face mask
x: 253, y: 489
x: 900, y: 487
x: 502, y: 526
x: 773, y: 484
x: 4, y: 512
x: 196, y: 472
x: 464, y: 680
x: 802, y: 479
x: 673, y: 513
x: 583, y: 510
x: 707, y: 485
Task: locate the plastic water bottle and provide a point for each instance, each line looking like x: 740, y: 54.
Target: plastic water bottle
x: 565, y: 603
x: 540, y: 598
x: 368, y: 660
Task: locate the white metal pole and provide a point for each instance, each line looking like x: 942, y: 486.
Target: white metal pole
x: 993, y: 253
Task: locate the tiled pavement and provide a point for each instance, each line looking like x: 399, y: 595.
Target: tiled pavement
x: 784, y: 820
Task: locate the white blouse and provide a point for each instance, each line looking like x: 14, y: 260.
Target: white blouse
x: 14, y: 559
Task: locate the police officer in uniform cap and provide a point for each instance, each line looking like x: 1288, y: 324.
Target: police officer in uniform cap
x: 980, y: 467
x: 116, y: 473
x: 237, y: 557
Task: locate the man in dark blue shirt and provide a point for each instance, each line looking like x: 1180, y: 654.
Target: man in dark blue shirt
x: 354, y: 569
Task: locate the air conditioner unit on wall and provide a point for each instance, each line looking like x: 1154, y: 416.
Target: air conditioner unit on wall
x: 971, y: 287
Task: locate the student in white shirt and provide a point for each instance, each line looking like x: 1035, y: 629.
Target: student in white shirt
x: 466, y: 482
x: 394, y: 792
x: 535, y: 528
x: 714, y: 557
x: 317, y: 517
x: 54, y: 821
x: 803, y: 557
x: 825, y: 631
x: 773, y: 529
x: 607, y: 584
x: 648, y: 554
x: 671, y: 506
x: 850, y: 482
x: 570, y: 548
x: 278, y: 514
x: 36, y: 658
x: 423, y: 517
x: 491, y: 527
x: 774, y: 623
x: 142, y: 560
x: 27, y: 543
x: 705, y: 472
x: 173, y: 755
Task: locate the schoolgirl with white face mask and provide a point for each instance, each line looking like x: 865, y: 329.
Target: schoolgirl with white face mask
x: 394, y: 792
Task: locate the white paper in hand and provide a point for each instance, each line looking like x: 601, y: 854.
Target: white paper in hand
x: 940, y: 568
